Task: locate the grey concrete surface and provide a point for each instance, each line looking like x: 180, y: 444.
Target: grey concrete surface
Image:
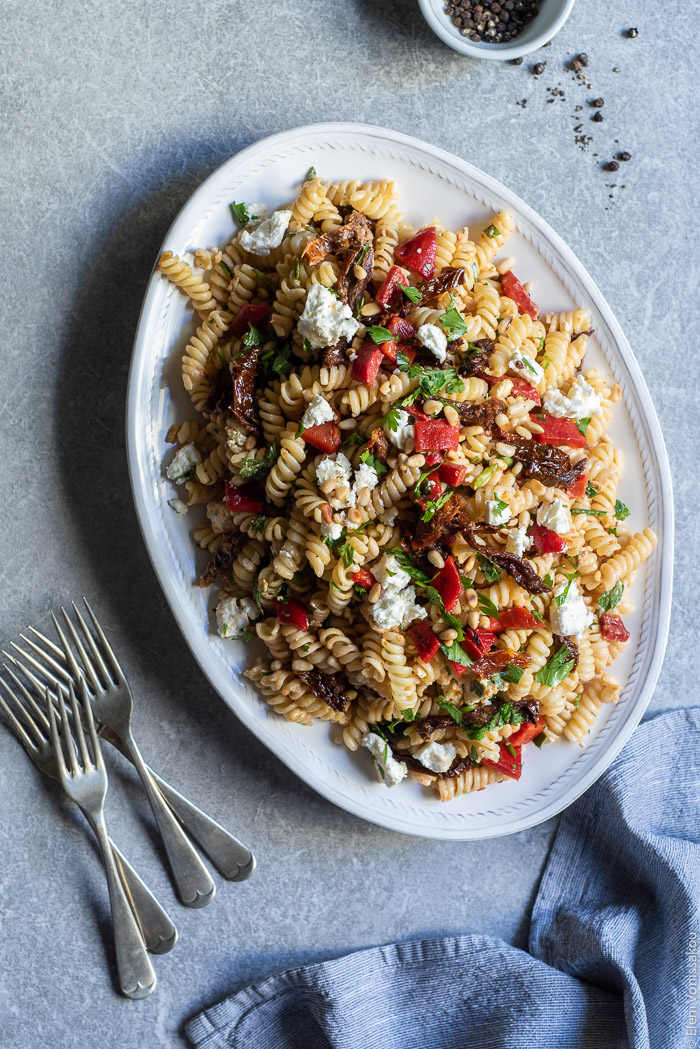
x: 111, y: 115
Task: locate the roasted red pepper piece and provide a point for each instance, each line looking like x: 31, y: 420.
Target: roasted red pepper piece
x: 431, y: 488
x: 521, y: 388
x: 494, y: 626
x: 526, y: 732
x: 577, y: 490
x: 293, y: 612
x: 477, y: 643
x: 545, y: 541
x: 325, y: 436
x: 517, y: 619
x: 448, y: 584
x: 419, y: 252
x: 436, y: 435
x: 487, y: 639
x: 431, y: 458
x: 425, y: 640
x: 252, y: 314
x: 509, y: 764
x: 243, y: 497
x: 612, y: 628
x: 386, y: 291
x: 401, y: 329
x: 514, y: 290
x: 364, y: 578
x: 452, y: 474
x: 366, y: 364
x: 558, y: 431
x: 388, y: 349
x: 458, y: 668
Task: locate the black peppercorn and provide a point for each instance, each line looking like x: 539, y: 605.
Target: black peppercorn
x: 516, y: 61
x: 583, y: 58
x: 538, y: 69
x: 612, y: 165
x: 597, y: 117
x: 598, y: 103
x: 633, y: 32
x: 624, y: 156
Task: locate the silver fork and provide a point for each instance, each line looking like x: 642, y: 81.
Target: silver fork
x: 112, y: 706
x: 30, y: 725
x: 84, y: 778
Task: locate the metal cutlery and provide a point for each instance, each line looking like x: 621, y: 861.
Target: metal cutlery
x: 112, y: 706
x: 30, y: 723
x: 83, y: 775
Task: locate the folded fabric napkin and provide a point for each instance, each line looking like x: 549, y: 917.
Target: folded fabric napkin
x: 612, y: 956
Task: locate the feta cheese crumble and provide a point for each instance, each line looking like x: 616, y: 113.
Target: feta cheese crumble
x: 319, y: 411
x: 404, y: 431
x: 518, y: 541
x: 556, y: 517
x: 333, y: 474
x: 267, y: 235
x: 396, y: 606
x: 333, y: 530
x: 365, y: 477
x: 389, y: 770
x: 233, y: 615
x: 325, y: 319
x: 183, y: 463
x: 220, y: 517
x: 582, y: 401
x: 178, y: 506
x: 526, y: 367
x: 437, y: 756
x: 498, y: 512
x: 572, y: 617
x: 434, y: 340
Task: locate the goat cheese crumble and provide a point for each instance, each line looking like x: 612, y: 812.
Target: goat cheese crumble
x: 220, y: 517
x: 582, y: 401
x: 333, y: 530
x: 434, y: 340
x: 437, y: 756
x: 365, y: 477
x: 233, y: 615
x: 183, y: 463
x: 497, y: 511
x: 571, y: 618
x: 325, y: 319
x: 556, y: 517
x: 389, y: 770
x: 528, y: 368
x: 518, y: 541
x: 267, y: 235
x: 319, y: 411
x: 178, y: 506
x: 404, y: 431
x: 396, y: 606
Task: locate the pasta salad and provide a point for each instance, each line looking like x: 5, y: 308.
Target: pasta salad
x: 410, y: 492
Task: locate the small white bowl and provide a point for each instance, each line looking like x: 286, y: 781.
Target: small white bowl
x: 546, y: 24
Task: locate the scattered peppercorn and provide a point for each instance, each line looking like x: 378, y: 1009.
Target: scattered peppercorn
x: 632, y: 32
x: 598, y: 103
x: 575, y: 65
x: 616, y: 69
x: 597, y: 117
x: 516, y: 61
x: 491, y: 21
x: 538, y: 69
x: 612, y: 165
x: 583, y: 58
x: 624, y: 156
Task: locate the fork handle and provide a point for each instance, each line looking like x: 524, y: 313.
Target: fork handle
x: 192, y: 879
x: 136, y: 976
x: 229, y: 855
x: 158, y: 931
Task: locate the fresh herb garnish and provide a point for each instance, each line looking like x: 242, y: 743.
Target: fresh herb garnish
x: 452, y: 321
x: 561, y: 598
x: 411, y: 293
x: 378, y: 335
x: 621, y: 511
x: 491, y: 232
x: 593, y: 513
x: 371, y: 460
x: 258, y: 524
x: 485, y: 476
x: 611, y: 598
x: 491, y: 572
x: 277, y: 361
x: 362, y: 256
x: 513, y: 673
x: 421, y: 579
x: 557, y: 667
x: 506, y: 714
x: 253, y: 469
x: 311, y: 173
x: 306, y: 346
x: 240, y: 213
x: 582, y: 425
x: 254, y: 336
x: 354, y: 438
x: 226, y: 269
x: 487, y: 606
x: 440, y: 380
x: 346, y: 553
x: 450, y: 709
x: 591, y: 490
x: 539, y: 739
x: 433, y: 505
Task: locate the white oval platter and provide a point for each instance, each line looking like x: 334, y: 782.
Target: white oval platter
x: 431, y: 182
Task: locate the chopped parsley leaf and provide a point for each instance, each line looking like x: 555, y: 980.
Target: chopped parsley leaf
x: 487, y: 606
x: 491, y: 232
x: 591, y: 490
x: 240, y: 213
x: 621, y: 511
x: 611, y: 598
x: 432, y: 506
x: 492, y: 572
x: 582, y: 425
x: 378, y: 335
x: 411, y: 293
x: 371, y: 460
x: 557, y: 667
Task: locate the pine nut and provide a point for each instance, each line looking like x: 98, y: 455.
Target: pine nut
x: 436, y: 559
x: 473, y: 620
x: 505, y: 266
x: 451, y: 415
x: 431, y: 407
x: 472, y: 599
x: 415, y: 460
x: 527, y: 287
x: 354, y: 516
x: 375, y: 594
x: 370, y: 309
x: 448, y: 636
x: 536, y: 428
x: 616, y: 393
x: 484, y: 623
x: 359, y: 272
